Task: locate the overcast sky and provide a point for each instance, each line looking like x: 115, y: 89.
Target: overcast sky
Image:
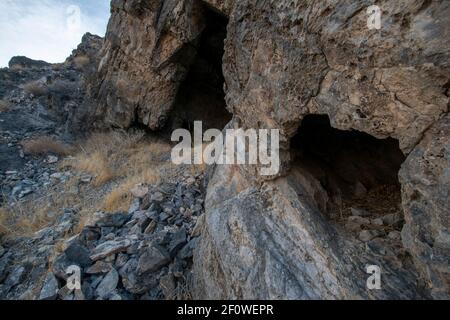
x: 48, y: 29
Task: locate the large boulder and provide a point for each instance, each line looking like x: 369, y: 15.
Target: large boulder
x: 269, y: 243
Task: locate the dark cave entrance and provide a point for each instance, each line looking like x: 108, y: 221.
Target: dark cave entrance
x: 201, y: 96
x: 357, y: 173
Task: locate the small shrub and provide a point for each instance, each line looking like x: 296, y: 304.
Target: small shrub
x: 120, y: 198
x: 45, y: 145
x: 81, y: 62
x: 96, y: 164
x: 4, y: 105
x: 36, y: 88
x: 23, y: 219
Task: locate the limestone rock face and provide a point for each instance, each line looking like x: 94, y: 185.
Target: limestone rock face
x: 147, y: 52
x: 287, y: 59
x: 269, y: 243
x: 284, y: 61
x: 426, y: 191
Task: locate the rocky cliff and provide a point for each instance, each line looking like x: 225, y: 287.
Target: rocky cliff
x: 283, y: 63
x: 364, y: 129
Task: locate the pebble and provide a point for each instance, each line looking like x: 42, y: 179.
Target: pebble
x: 395, y: 235
x: 108, y: 284
x: 139, y: 191
x: 85, y: 178
x: 377, y: 222
x: 52, y: 159
x: 359, y: 212
x: 108, y: 248
x: 99, y: 267
x: 367, y: 235
x: 358, y: 220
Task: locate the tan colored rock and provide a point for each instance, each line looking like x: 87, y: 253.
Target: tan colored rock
x: 303, y: 58
x: 426, y: 189
x: 285, y: 60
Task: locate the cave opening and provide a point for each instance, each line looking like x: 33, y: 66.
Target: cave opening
x: 201, y: 95
x: 355, y: 173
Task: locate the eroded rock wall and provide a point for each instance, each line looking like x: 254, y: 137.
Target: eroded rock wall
x: 148, y: 49
x: 284, y: 60
x: 287, y: 59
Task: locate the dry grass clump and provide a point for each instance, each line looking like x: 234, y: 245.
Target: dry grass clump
x: 120, y: 198
x: 81, y: 61
x: 102, y: 154
x: 31, y: 215
x: 117, y: 161
x: 23, y: 219
x: 36, y: 88
x: 3, y: 221
x: 45, y: 145
x: 97, y: 165
x: 4, y: 105
x: 125, y: 157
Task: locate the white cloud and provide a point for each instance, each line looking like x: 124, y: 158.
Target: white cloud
x: 47, y: 29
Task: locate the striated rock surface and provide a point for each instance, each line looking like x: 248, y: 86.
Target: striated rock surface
x: 269, y: 243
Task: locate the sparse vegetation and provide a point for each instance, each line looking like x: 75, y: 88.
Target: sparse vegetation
x: 35, y: 88
x: 119, y: 199
x: 4, y: 105
x: 45, y: 145
x: 81, y: 61
x: 117, y: 161
x: 23, y: 219
x: 3, y: 221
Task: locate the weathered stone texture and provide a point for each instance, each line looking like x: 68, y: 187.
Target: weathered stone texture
x: 425, y: 179
x: 147, y: 52
x: 287, y: 59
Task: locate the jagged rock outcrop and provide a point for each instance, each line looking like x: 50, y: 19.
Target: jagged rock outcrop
x: 283, y: 237
x: 24, y: 62
x: 55, y: 91
x: 370, y: 188
x: 148, y: 49
x: 285, y: 60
